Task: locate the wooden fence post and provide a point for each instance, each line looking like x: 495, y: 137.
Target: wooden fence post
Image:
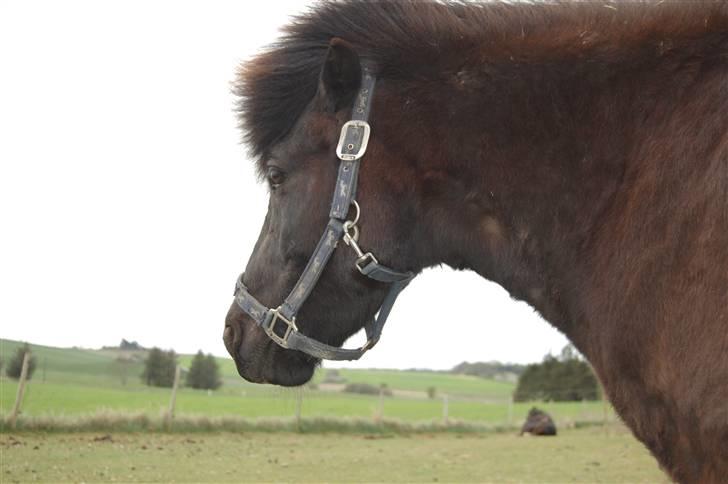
x: 445, y: 409
x: 299, y: 404
x: 21, y: 390
x: 380, y: 405
x: 173, y: 398
x: 510, y: 411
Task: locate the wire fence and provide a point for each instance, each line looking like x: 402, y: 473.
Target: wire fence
x: 94, y: 388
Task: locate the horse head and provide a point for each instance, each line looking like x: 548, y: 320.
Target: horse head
x: 333, y: 297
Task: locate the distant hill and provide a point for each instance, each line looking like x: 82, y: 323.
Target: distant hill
x: 121, y: 368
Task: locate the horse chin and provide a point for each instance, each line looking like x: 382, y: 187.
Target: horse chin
x: 278, y: 366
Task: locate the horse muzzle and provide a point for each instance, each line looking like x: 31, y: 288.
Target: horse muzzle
x: 258, y: 359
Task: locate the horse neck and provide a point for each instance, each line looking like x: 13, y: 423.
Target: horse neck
x: 513, y: 177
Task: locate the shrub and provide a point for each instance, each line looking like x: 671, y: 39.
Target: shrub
x: 15, y: 363
x: 367, y: 389
x: 204, y: 372
x: 567, y: 378
x: 159, y: 368
x: 333, y: 376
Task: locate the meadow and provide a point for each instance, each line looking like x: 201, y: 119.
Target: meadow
x: 85, y: 419
x: 75, y: 382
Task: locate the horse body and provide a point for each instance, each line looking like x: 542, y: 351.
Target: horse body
x: 576, y: 155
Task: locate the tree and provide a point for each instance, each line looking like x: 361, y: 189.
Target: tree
x: 567, y: 378
x: 15, y: 363
x: 204, y: 372
x: 129, y: 345
x: 159, y: 368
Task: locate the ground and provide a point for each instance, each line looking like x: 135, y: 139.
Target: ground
x: 584, y: 455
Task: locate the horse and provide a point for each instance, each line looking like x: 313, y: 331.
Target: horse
x: 574, y: 153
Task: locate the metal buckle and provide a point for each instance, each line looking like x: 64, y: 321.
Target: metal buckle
x: 290, y: 327
x: 353, y: 133
x: 366, y: 258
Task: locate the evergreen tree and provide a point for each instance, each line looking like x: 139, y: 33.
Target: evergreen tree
x: 567, y: 378
x: 213, y: 373
x: 15, y: 363
x: 204, y: 372
x: 159, y: 368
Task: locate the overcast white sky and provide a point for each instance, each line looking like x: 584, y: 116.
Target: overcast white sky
x: 125, y: 194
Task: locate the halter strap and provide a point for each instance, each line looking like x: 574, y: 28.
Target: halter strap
x: 280, y: 323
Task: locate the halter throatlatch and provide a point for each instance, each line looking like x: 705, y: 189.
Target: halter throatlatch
x: 280, y: 323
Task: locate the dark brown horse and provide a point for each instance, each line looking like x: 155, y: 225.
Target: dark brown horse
x: 575, y: 154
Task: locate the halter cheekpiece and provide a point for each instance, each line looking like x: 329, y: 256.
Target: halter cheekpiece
x: 280, y: 323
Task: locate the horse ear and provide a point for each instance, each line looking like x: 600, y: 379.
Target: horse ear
x: 340, y: 76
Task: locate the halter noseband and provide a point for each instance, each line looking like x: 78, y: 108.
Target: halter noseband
x: 350, y: 150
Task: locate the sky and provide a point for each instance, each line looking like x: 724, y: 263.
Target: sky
x: 127, y: 201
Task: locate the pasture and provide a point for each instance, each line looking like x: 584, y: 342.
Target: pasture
x: 104, y: 430
x: 585, y: 455
x: 77, y: 382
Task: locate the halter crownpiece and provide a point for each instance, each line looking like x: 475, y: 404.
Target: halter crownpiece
x: 280, y: 323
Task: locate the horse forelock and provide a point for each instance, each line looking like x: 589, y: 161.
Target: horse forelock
x: 424, y: 41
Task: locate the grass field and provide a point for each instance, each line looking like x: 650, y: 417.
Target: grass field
x: 74, y: 399
x: 71, y: 382
x: 585, y: 455
x: 100, y: 368
x: 79, y: 390
x: 462, y: 385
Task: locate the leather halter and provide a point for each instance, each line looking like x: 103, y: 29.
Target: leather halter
x: 350, y: 150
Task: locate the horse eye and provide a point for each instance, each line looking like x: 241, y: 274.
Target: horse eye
x: 275, y: 176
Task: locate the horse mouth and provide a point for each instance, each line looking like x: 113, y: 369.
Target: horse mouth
x: 266, y: 362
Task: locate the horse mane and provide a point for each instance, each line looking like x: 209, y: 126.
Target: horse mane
x: 418, y: 41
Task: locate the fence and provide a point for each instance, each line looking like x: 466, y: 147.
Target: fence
x: 60, y: 396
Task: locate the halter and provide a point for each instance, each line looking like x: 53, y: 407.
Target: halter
x: 280, y: 323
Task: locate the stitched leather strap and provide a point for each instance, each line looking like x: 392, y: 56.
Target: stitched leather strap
x: 280, y: 324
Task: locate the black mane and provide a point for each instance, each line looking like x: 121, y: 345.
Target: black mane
x: 429, y: 41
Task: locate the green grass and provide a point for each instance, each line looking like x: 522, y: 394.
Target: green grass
x: 585, y: 455
x: 74, y: 399
x: 98, y: 368
x: 81, y: 382
x: 463, y: 385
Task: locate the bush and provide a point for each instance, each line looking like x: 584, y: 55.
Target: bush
x: 567, y: 378
x: 431, y: 392
x: 333, y: 376
x: 159, y: 368
x: 367, y: 389
x: 204, y: 372
x: 15, y: 363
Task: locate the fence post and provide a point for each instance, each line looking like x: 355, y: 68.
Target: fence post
x: 299, y: 404
x: 173, y: 398
x: 510, y: 411
x: 380, y: 405
x: 445, y: 409
x: 21, y: 389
